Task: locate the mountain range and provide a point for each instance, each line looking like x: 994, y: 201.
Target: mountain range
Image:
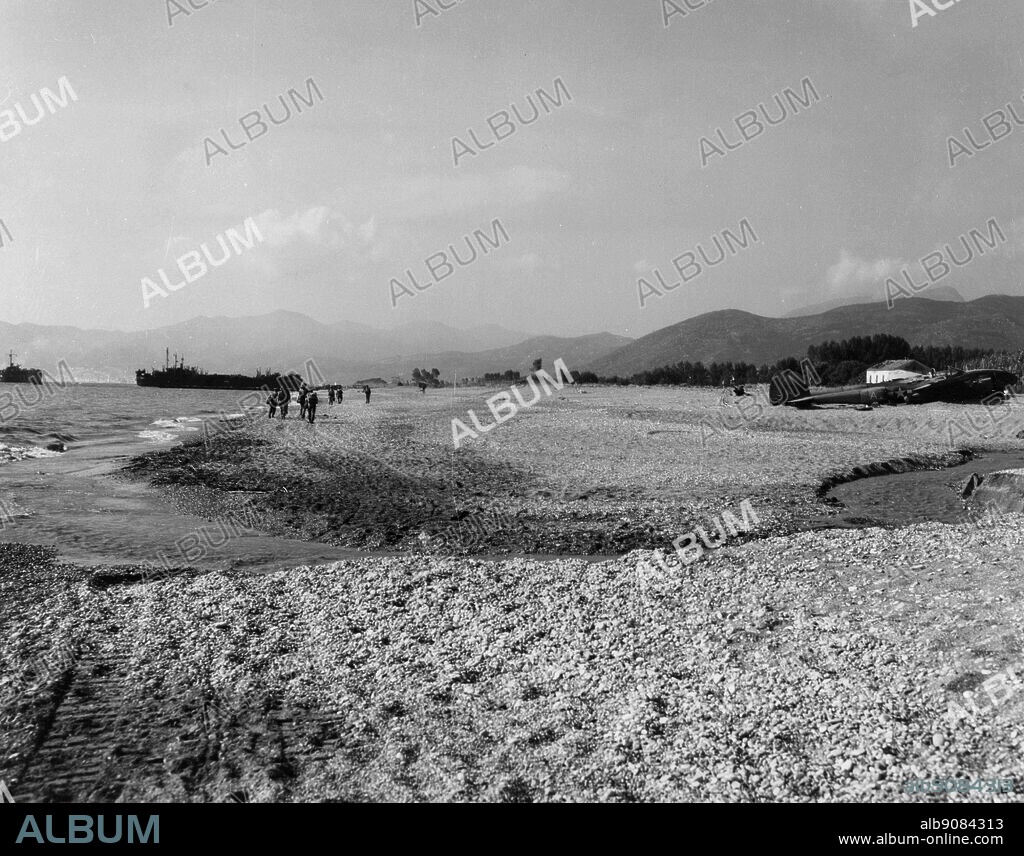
x: 283, y: 341
x: 938, y: 292
x: 994, y: 321
x: 347, y: 351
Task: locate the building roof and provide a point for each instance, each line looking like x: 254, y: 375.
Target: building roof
x: 901, y: 366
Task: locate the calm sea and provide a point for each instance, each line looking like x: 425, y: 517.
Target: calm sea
x: 100, y: 417
x: 73, y: 501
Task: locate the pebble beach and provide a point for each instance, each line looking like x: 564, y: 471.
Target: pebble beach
x: 545, y: 655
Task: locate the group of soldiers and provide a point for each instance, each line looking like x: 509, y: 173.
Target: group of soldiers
x: 308, y: 401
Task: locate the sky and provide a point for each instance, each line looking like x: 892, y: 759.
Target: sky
x: 596, y: 193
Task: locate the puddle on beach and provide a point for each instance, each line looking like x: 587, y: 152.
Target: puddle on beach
x: 72, y: 503
x: 920, y: 496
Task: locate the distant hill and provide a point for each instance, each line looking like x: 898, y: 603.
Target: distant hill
x: 940, y: 292
x: 994, y: 321
x: 577, y: 352
x: 285, y: 340
x: 432, y: 336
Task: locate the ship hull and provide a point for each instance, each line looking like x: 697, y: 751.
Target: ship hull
x: 33, y: 376
x: 172, y: 379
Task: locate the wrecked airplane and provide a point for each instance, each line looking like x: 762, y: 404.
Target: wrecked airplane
x: 957, y: 387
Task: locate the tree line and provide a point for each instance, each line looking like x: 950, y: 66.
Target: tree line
x: 510, y: 375
x: 431, y: 377
x: 836, y: 363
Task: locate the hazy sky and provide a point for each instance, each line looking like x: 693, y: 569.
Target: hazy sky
x: 593, y: 194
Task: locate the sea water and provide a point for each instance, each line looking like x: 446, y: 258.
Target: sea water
x: 71, y: 500
x: 111, y: 416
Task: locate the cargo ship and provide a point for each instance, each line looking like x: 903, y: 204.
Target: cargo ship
x: 16, y: 374
x: 177, y: 375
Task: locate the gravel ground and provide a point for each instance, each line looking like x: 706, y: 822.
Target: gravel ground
x: 595, y: 473
x: 785, y: 666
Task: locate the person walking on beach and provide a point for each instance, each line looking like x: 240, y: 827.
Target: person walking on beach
x: 330, y: 396
x: 285, y: 399
x: 272, y: 404
x: 341, y: 394
x: 366, y: 392
x: 311, y: 402
x: 303, y: 395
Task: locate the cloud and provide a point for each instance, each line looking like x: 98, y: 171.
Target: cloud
x: 525, y: 262
x: 851, y: 271
x: 368, y: 230
x: 435, y: 194
x: 319, y: 226
x: 1014, y: 238
x: 308, y: 239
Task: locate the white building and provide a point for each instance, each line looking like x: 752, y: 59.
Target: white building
x: 898, y: 370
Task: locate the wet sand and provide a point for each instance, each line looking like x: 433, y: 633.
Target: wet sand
x: 919, y: 496
x: 81, y: 507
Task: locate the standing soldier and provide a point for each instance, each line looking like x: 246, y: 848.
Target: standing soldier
x: 311, y: 402
x: 366, y: 392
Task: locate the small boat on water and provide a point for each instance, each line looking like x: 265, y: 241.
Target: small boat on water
x: 14, y: 373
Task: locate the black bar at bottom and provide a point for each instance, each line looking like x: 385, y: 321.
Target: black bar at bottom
x: 804, y: 828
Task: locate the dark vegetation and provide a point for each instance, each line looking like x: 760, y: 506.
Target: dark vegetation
x: 496, y: 377
x: 430, y: 378
x: 836, y: 363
